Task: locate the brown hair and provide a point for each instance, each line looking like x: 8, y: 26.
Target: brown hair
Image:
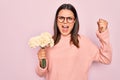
x: 74, y: 32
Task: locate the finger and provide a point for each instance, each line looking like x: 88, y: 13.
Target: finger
x: 102, y: 20
x: 100, y: 28
x: 100, y: 23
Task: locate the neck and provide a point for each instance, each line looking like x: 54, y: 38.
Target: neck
x: 69, y: 35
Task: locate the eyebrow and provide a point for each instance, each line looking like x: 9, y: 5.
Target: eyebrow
x: 65, y: 16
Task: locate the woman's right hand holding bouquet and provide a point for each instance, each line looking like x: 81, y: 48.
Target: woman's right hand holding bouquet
x: 44, y: 40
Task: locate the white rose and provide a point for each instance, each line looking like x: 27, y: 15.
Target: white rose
x: 43, y: 40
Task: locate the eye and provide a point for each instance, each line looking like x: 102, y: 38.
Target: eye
x: 61, y: 17
x: 69, y: 18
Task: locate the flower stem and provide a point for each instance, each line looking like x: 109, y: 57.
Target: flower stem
x: 43, y: 63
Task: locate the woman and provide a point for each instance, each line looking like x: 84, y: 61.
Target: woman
x: 73, y: 54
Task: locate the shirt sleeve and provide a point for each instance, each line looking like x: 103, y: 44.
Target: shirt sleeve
x: 104, y: 53
x: 40, y: 71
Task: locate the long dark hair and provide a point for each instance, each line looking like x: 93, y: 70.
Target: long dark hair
x: 74, y: 32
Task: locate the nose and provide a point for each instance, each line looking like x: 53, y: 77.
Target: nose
x: 65, y: 20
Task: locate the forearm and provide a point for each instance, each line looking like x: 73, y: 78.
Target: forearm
x: 104, y: 54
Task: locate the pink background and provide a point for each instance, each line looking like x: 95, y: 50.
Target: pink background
x: 22, y: 19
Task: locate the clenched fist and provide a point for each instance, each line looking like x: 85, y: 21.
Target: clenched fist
x: 102, y: 25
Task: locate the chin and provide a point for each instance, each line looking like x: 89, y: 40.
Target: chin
x: 65, y: 34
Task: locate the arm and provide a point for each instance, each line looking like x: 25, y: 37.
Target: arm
x: 104, y: 54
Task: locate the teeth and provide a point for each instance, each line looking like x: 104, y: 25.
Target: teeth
x: 65, y: 26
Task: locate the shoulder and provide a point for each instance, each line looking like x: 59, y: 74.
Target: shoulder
x: 85, y: 41
x: 83, y: 38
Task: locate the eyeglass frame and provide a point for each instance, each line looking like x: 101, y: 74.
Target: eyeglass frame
x: 67, y: 19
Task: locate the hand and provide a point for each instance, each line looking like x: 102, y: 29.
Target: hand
x: 102, y: 25
x: 42, y: 58
x: 41, y: 54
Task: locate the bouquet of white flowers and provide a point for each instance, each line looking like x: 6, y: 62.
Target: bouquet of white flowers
x: 43, y: 40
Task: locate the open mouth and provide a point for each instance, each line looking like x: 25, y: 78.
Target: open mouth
x: 65, y: 28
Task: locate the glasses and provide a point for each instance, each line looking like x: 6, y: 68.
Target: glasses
x: 61, y: 19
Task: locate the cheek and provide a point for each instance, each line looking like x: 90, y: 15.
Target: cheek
x: 59, y: 25
x: 71, y: 26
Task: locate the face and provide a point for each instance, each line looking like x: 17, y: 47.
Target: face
x: 65, y: 21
